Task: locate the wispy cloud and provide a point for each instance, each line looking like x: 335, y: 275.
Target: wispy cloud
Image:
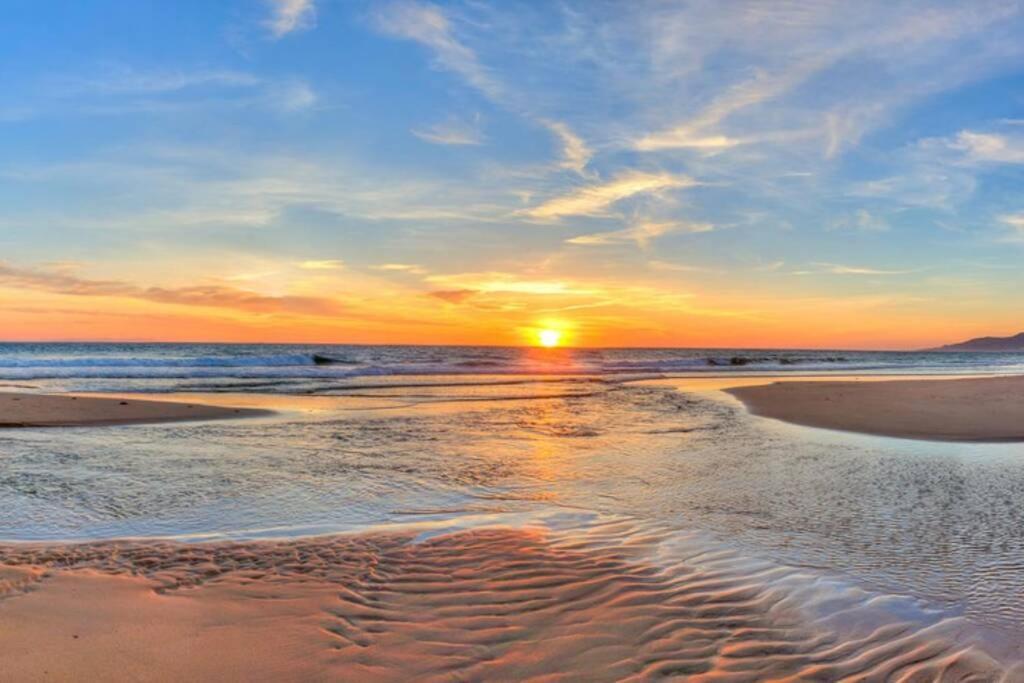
x: 1015, y: 222
x: 511, y: 283
x: 668, y: 266
x: 288, y: 16
x: 452, y: 132
x: 163, y: 189
x: 840, y: 269
x: 430, y: 26
x: 685, y: 138
x: 329, y: 264
x: 988, y: 147
x: 208, y: 296
x: 292, y: 95
x: 862, y: 220
x: 120, y: 90
x: 910, y: 54
x: 119, y: 79
x: 920, y: 183
x: 641, y: 233
x: 594, y: 200
x: 699, y: 132
x: 575, y: 153
x: 453, y: 296
x: 411, y: 268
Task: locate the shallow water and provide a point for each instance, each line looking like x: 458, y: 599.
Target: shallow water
x: 941, y: 522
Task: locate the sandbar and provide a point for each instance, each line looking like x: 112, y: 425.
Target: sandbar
x: 972, y: 409
x: 65, y: 410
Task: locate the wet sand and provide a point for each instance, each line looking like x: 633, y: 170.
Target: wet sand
x: 975, y: 409
x: 485, y: 604
x: 46, y: 410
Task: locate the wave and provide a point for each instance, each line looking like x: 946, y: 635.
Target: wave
x: 344, y: 363
x: 225, y: 361
x: 781, y: 360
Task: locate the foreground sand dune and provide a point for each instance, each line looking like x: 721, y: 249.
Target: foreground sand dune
x: 484, y: 604
x: 46, y: 410
x: 985, y: 409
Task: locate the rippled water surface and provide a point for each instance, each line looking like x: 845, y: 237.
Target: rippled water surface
x: 943, y: 522
x: 291, y: 369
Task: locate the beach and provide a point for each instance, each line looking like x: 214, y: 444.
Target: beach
x: 46, y: 410
x: 604, y: 524
x: 487, y: 604
x: 972, y: 409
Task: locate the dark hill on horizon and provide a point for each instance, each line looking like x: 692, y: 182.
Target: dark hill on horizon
x: 1014, y: 343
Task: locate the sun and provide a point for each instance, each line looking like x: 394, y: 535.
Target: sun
x: 549, y: 338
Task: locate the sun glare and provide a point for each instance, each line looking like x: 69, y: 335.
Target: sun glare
x: 549, y: 338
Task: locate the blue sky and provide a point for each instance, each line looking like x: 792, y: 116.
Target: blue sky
x: 657, y: 173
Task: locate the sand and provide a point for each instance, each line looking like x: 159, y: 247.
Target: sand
x: 45, y: 410
x: 483, y: 604
x: 975, y: 409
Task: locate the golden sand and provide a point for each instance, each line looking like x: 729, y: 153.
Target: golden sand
x: 483, y: 604
x: 44, y: 410
x: 975, y: 409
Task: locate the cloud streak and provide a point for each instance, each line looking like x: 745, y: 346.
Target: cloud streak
x: 289, y: 16
x: 908, y: 52
x: 1015, y: 222
x: 125, y: 80
x: 329, y: 264
x: 575, y: 153
x: 411, y: 268
x: 641, y: 234
x: 594, y: 200
x: 452, y: 132
x: 207, y: 296
x: 431, y: 27
x: 988, y: 147
x: 840, y: 269
x: 510, y: 283
x: 453, y: 296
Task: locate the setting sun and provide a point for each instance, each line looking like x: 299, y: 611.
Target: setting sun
x: 549, y: 338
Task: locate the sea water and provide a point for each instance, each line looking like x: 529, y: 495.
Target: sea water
x: 325, y: 368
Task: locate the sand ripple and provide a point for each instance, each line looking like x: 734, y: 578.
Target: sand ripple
x: 611, y: 601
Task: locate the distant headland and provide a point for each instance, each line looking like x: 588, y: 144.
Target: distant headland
x: 1014, y: 343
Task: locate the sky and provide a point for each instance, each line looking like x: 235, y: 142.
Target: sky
x: 693, y: 174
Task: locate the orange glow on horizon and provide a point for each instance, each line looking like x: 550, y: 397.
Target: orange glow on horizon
x: 647, y: 317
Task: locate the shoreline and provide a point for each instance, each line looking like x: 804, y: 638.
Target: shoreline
x: 974, y: 409
x: 24, y: 410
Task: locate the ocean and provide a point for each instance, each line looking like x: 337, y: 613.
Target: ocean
x: 318, y: 369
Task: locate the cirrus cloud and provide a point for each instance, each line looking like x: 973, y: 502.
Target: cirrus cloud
x: 209, y: 296
x: 288, y: 16
x: 594, y: 200
x: 641, y: 233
